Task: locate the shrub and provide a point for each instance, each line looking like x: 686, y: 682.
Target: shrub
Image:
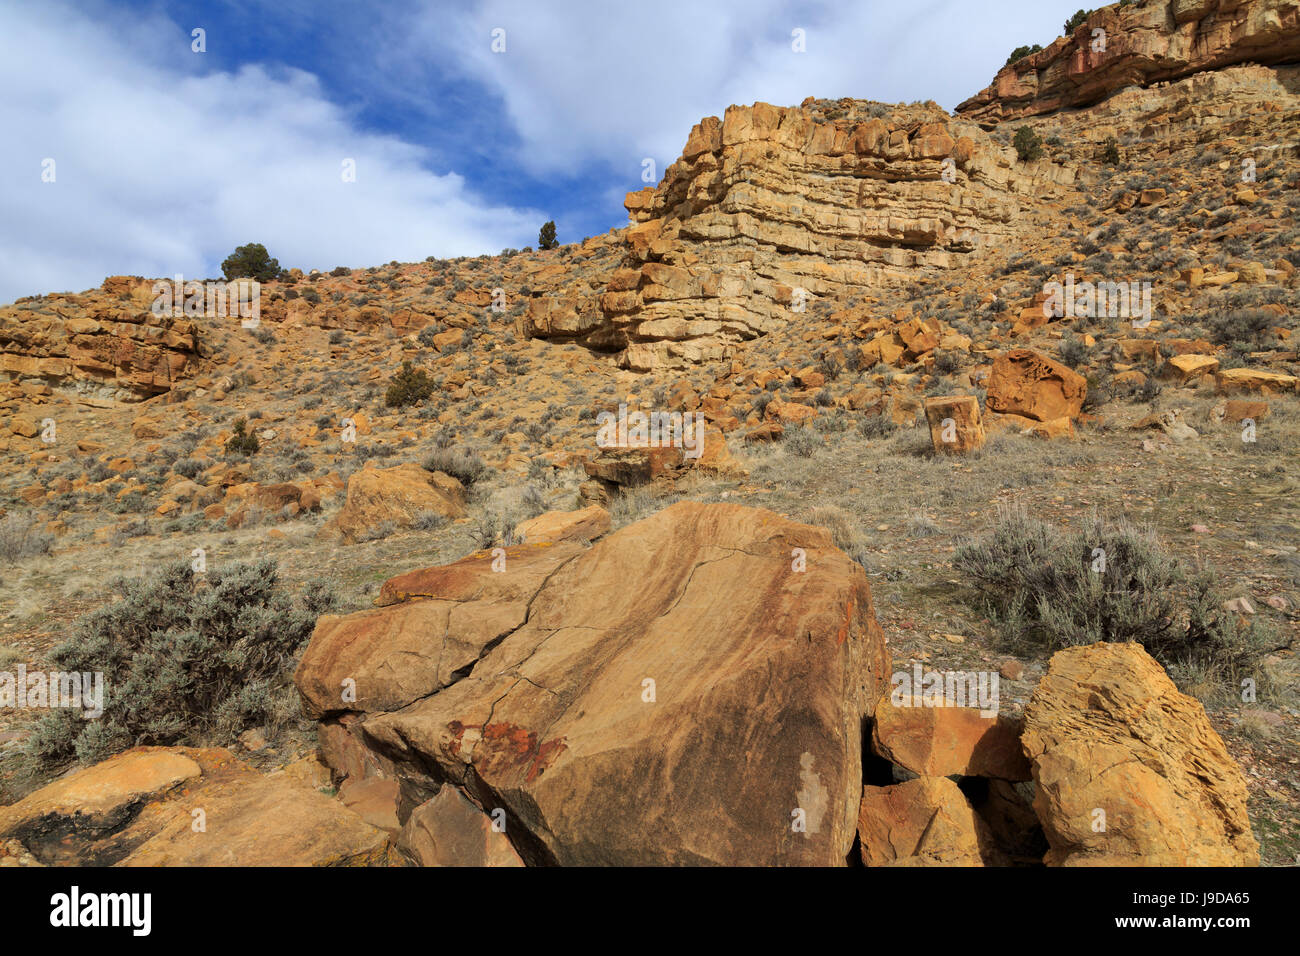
x: 876, y: 426
x: 1028, y: 144
x: 546, y: 237
x: 946, y: 362
x: 1075, y: 21
x: 242, y: 442
x: 1240, y: 327
x: 1073, y: 352
x: 1051, y: 588
x: 428, y: 521
x: 250, y: 262
x: 21, y: 536
x: 1020, y: 52
x: 463, y: 465
x: 1110, y: 151
x: 802, y: 441
x: 408, y: 387
x: 340, y: 271
x: 184, y: 664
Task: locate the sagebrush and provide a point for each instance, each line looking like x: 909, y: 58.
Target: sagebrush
x: 186, y: 659
x: 1044, y: 587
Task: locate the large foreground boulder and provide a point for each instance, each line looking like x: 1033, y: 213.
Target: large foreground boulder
x: 432, y: 626
x: 688, y: 690
x: 1129, y: 771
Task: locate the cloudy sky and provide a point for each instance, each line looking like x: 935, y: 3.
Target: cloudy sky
x: 164, y: 159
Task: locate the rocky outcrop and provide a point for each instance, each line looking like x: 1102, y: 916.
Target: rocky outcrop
x: 396, y: 497
x: 1128, y: 770
x: 107, y: 343
x: 1143, y: 44
x: 770, y: 208
x: 687, y: 690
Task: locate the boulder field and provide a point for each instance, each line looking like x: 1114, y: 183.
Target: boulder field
x: 706, y: 686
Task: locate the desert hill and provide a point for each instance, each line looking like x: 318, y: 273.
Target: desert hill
x: 857, y: 301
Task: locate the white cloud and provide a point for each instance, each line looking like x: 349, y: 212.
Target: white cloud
x: 592, y: 81
x: 161, y: 168
x: 165, y: 166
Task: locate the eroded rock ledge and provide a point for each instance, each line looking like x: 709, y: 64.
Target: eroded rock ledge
x: 1145, y: 43
x: 770, y: 208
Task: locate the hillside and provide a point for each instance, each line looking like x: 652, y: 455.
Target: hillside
x: 851, y: 296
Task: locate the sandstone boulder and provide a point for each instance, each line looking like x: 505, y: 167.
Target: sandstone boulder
x: 630, y: 718
x: 587, y: 524
x: 185, y: 806
x: 949, y: 740
x: 631, y: 467
x: 450, y: 831
x: 1185, y: 368
x: 396, y: 495
x: 923, y: 822
x: 1129, y: 771
x: 1028, y: 383
x: 433, y: 626
x: 955, y: 424
x: 1255, y: 380
x: 103, y: 794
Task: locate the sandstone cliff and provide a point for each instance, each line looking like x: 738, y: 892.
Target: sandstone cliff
x: 1143, y: 44
x: 770, y: 208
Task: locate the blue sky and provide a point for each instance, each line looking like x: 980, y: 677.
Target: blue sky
x: 165, y: 159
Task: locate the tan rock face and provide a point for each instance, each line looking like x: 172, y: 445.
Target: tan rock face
x: 433, y: 627
x: 1144, y: 44
x: 770, y: 208
x: 627, y: 720
x: 105, y: 790
x: 1255, y: 380
x: 1028, y: 383
x: 1129, y: 770
x: 1184, y: 368
x: 106, y: 341
x: 397, y: 495
x: 923, y: 822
